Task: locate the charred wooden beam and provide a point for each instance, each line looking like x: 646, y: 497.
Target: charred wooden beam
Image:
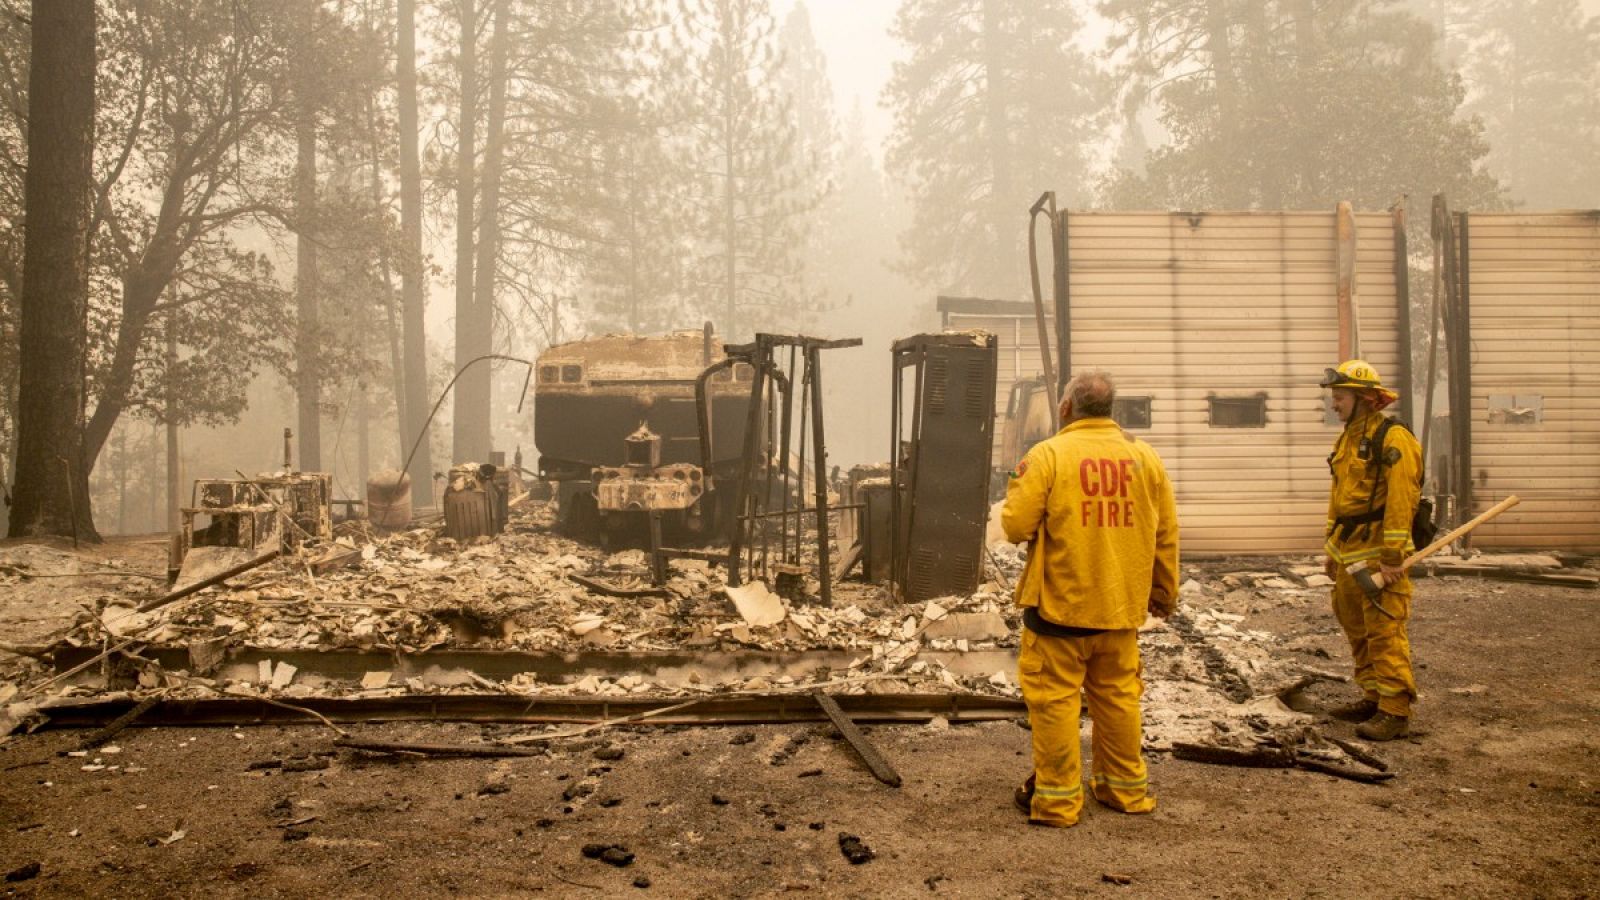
x: 869, y: 754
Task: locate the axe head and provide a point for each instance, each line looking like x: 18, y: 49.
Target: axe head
x: 1370, y: 580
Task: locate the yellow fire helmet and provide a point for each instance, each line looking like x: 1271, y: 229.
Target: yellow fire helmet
x: 1358, y: 374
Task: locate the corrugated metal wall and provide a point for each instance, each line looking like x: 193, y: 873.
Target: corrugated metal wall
x: 1185, y: 307
x: 1534, y: 305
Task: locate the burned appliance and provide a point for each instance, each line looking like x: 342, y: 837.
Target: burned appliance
x: 940, y: 469
x: 474, y: 502
x: 622, y: 430
x: 232, y: 520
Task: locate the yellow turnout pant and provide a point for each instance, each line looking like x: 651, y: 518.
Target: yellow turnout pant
x: 1052, y: 672
x: 1378, y: 642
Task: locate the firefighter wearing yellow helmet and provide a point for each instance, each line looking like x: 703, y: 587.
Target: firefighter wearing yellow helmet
x: 1377, y: 482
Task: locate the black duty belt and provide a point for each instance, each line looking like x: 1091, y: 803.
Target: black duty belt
x: 1343, y: 525
x: 1040, y: 625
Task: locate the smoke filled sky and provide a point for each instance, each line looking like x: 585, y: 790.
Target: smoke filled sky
x: 854, y: 34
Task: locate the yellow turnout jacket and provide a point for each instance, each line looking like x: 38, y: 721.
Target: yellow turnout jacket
x: 1354, y: 462
x: 1099, y: 510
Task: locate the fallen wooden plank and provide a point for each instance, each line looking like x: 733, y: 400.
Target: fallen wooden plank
x: 216, y: 579
x: 759, y: 709
x: 1338, y: 771
x: 471, y: 750
x: 116, y: 726
x: 1512, y: 573
x: 1359, y: 754
x: 1253, y: 758
x: 879, y: 766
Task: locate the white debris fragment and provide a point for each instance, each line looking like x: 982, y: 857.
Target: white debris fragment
x: 1318, y: 580
x: 976, y: 626
x: 756, y: 603
x: 933, y: 612
x: 908, y: 628
x: 282, y: 675
x: 586, y: 623
x: 375, y: 680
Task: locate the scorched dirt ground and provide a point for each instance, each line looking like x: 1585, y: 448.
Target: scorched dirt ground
x: 1498, y: 795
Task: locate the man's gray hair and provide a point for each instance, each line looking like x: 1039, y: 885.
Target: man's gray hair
x: 1091, y: 392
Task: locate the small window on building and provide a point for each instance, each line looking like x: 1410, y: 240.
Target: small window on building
x: 549, y: 374
x: 1516, y: 409
x: 1131, y: 412
x: 1239, y: 412
x: 571, y: 374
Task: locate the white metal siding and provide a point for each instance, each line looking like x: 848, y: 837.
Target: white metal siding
x: 1181, y: 306
x: 1019, y: 357
x: 1535, y: 309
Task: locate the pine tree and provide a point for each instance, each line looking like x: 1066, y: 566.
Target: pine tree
x: 752, y: 193
x: 1296, y: 105
x: 995, y: 105
x: 1534, y: 73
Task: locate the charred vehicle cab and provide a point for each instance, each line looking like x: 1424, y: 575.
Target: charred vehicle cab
x: 630, y: 426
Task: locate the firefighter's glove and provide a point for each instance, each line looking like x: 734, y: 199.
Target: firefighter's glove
x: 1329, y: 567
x: 1162, y: 607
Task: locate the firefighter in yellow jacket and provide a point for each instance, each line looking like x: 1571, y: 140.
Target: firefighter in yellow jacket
x: 1098, y: 510
x: 1376, y: 465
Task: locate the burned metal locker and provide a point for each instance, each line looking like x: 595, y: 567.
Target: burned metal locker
x: 941, y: 467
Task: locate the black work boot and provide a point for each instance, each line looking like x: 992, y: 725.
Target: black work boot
x: 1384, y: 727
x: 1024, y: 796
x: 1359, y: 711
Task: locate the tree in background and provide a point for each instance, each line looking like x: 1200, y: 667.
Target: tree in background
x: 994, y: 105
x: 52, y: 469
x: 413, y: 272
x: 192, y: 97
x: 1295, y: 104
x: 752, y: 194
x: 574, y: 122
x: 1533, y: 70
x: 803, y: 79
x: 637, y: 260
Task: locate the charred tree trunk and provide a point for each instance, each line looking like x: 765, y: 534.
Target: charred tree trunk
x: 413, y: 291
x: 477, y: 386
x: 170, y: 414
x: 52, y: 495
x: 308, y: 377
x: 466, y: 445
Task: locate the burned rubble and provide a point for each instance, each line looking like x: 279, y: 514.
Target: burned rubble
x: 526, y: 594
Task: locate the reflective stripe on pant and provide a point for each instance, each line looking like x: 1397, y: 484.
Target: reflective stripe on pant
x: 1378, y: 643
x: 1052, y: 672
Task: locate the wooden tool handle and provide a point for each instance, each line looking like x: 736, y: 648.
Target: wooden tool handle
x: 1445, y: 541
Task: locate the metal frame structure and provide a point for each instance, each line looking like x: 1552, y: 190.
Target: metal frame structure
x: 772, y: 396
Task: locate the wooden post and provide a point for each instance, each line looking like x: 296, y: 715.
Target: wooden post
x: 1349, y: 313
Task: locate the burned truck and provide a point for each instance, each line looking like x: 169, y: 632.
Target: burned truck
x: 631, y: 428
